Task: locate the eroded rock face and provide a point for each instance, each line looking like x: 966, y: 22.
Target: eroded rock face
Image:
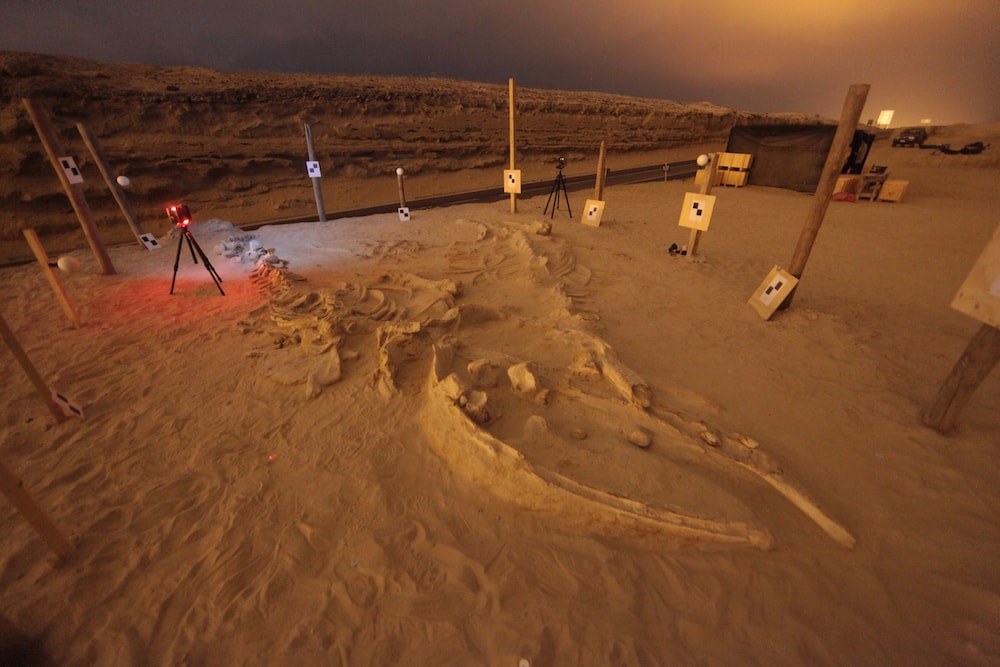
x: 238, y: 136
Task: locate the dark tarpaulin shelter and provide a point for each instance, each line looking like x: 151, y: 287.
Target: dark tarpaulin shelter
x: 792, y: 156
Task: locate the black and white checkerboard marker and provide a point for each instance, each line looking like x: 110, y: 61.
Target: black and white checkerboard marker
x: 72, y: 171
x: 150, y: 242
x: 68, y: 406
x: 772, y: 291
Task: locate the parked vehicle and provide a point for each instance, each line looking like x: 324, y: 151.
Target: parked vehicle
x: 912, y: 136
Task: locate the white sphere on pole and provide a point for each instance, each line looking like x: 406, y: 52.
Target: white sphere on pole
x: 703, y: 160
x: 399, y: 171
x: 123, y: 181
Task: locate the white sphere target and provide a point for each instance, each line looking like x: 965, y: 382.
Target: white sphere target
x: 703, y: 160
x: 68, y: 264
x: 123, y: 181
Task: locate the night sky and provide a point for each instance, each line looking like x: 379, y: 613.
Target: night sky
x: 926, y: 59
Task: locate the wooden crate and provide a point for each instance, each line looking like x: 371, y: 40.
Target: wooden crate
x: 849, y: 183
x: 892, y: 190
x: 735, y: 168
x: 735, y: 178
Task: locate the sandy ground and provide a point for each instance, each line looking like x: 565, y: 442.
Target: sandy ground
x: 417, y: 444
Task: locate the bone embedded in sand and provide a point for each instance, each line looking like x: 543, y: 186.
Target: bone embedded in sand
x: 475, y: 403
x: 537, y: 426
x: 522, y: 380
x: 641, y: 437
x: 483, y: 372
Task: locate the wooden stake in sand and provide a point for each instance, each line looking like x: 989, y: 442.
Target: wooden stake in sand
x: 510, y: 95
x: 36, y: 379
x: 978, y: 297
x: 313, y: 168
x: 854, y: 104
x: 404, y: 210
x: 706, y: 188
x: 593, y: 209
x: 601, y: 172
x: 50, y: 275
x: 102, y: 163
x: 975, y: 364
x: 65, y: 168
x: 13, y: 488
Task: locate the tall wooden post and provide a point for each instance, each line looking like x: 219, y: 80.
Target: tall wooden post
x: 399, y: 186
x: 510, y: 96
x: 112, y: 181
x: 74, y: 191
x: 854, y: 104
x: 601, y: 174
x: 975, y: 364
x: 43, y: 259
x: 706, y: 188
x: 317, y: 187
x: 13, y: 488
x: 29, y: 368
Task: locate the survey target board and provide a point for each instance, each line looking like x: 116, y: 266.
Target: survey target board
x: 696, y: 211
x: 592, y: 212
x: 979, y: 295
x: 69, y: 168
x: 772, y: 292
x: 312, y: 168
x: 512, y: 181
x: 150, y: 242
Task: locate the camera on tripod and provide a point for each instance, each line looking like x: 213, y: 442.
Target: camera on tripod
x: 558, y: 189
x: 179, y: 214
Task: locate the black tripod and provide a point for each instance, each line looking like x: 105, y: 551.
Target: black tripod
x: 557, y: 186
x: 194, y: 247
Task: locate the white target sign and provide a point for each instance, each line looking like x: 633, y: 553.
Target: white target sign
x: 696, y: 211
x: 69, y: 167
x: 512, y: 181
x: 592, y: 212
x: 772, y: 291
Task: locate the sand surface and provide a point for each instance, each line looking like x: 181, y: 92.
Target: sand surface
x: 481, y: 437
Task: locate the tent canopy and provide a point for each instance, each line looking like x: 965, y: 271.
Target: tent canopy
x: 792, y: 156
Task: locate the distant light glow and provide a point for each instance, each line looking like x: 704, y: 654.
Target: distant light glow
x: 885, y: 117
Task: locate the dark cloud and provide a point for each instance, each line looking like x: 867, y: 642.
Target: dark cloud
x: 923, y: 58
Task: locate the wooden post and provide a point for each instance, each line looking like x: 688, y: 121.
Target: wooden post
x: 601, y: 175
x: 510, y: 96
x: 317, y: 188
x: 850, y: 115
x: 112, y: 181
x: 50, y: 275
x: 22, y: 358
x: 706, y: 188
x: 13, y: 488
x: 50, y: 140
x: 399, y: 186
x: 975, y: 364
